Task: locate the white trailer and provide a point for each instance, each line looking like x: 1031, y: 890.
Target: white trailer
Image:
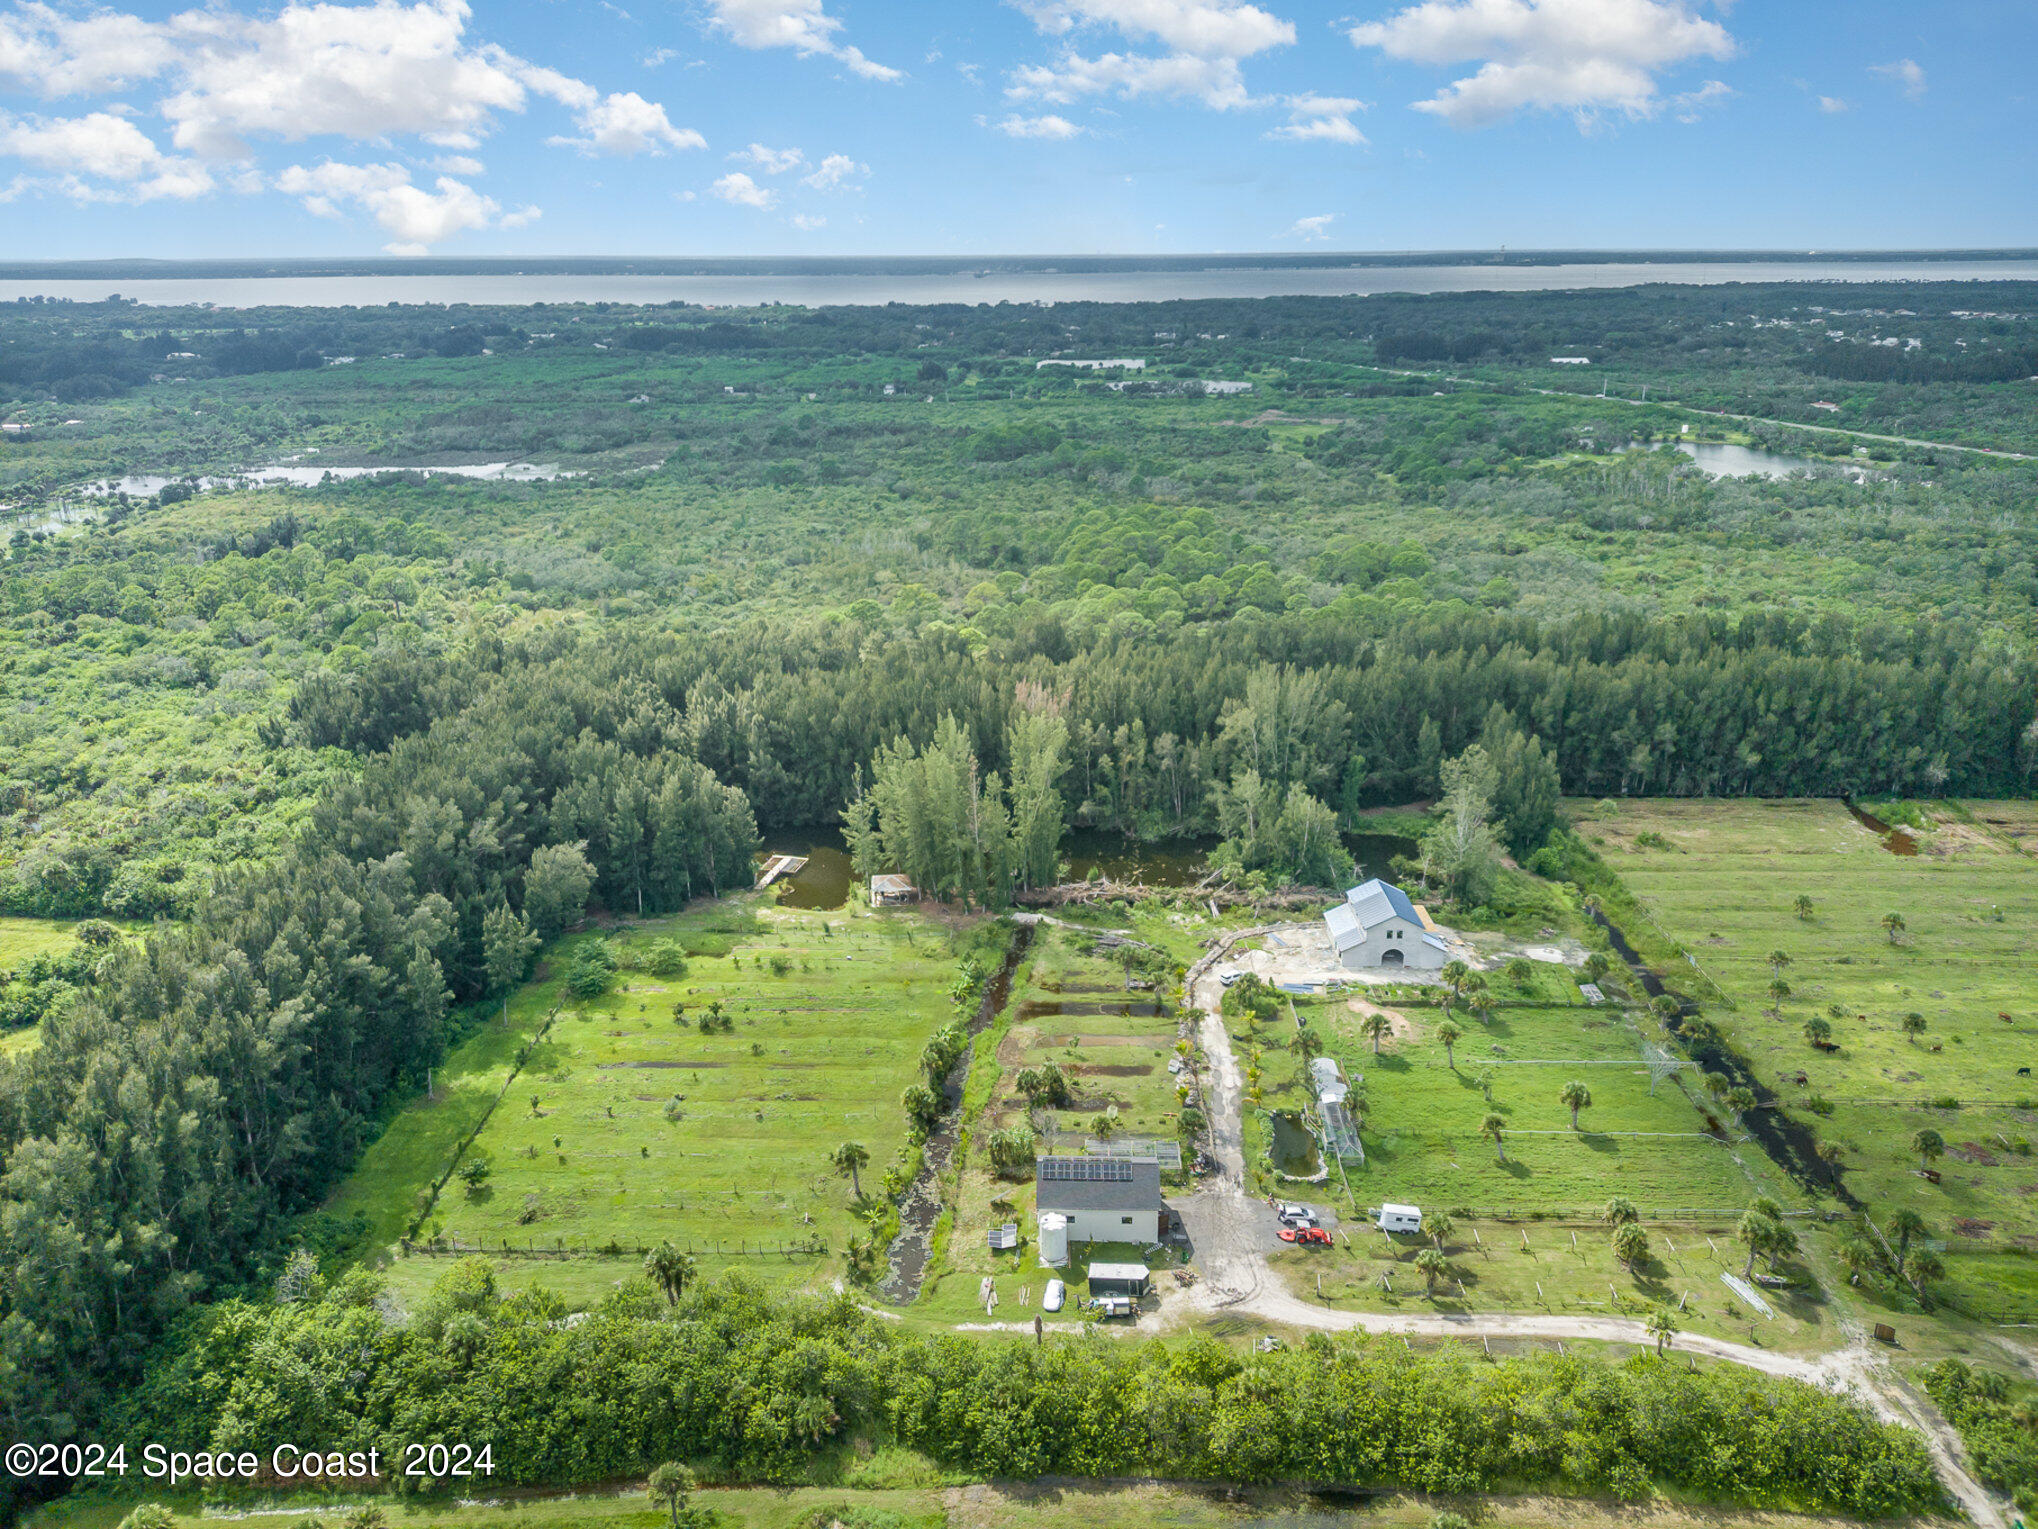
x: 1400, y: 1218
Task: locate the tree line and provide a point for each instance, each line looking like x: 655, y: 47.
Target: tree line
x: 748, y: 1386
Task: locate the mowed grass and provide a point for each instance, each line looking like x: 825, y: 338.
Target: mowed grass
x: 1722, y: 878
x: 1421, y: 1124
x: 829, y: 1014
x: 20, y: 940
x: 1563, y: 1267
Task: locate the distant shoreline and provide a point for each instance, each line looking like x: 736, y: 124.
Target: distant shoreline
x: 942, y: 265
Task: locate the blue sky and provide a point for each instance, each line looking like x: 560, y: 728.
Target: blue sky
x: 1011, y: 126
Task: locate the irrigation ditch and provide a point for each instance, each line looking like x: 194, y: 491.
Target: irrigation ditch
x: 920, y: 1208
x: 1790, y: 1143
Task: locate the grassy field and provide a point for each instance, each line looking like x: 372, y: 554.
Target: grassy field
x: 1565, y: 1267
x: 1004, y: 1505
x: 1721, y: 879
x: 20, y: 939
x: 1422, y: 1116
x: 624, y: 1124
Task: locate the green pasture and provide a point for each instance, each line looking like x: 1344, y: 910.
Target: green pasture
x: 1421, y: 1122
x: 1722, y: 880
x: 626, y: 1125
x: 1565, y: 1267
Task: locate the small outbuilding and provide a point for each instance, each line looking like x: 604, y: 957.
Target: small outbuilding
x: 891, y: 891
x: 1400, y: 1218
x: 1119, y: 1279
x: 1103, y: 1199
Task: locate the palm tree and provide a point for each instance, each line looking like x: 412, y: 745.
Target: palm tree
x: 1928, y: 1144
x: 1577, y: 1096
x: 850, y: 1159
x: 1432, y: 1264
x: 1439, y: 1227
x: 1716, y: 1084
x: 1740, y: 1100
x: 1804, y: 907
x: 1630, y: 1245
x: 1662, y: 1327
x: 1519, y: 971
x: 1778, y: 991
x: 1924, y: 1267
x: 1596, y: 966
x: 1310, y: 1045
x: 1377, y: 1027
x: 1479, y: 994
x: 1453, y: 978
x: 1914, y: 1026
x: 1450, y: 1034
x: 1818, y: 1031
x: 1892, y: 925
x: 672, y: 1484
x: 1619, y: 1211
x: 669, y: 1269
x: 1905, y: 1224
x: 1757, y: 1233
x: 1492, y: 1126
x: 1778, y: 960
x: 1858, y: 1255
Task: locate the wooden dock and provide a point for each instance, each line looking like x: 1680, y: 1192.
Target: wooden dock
x: 781, y: 865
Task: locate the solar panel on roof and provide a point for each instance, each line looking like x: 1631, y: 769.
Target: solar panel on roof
x: 1084, y: 1170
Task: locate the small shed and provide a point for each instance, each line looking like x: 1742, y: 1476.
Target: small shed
x: 890, y: 891
x: 1119, y: 1279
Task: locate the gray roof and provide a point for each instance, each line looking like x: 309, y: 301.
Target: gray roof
x: 1435, y: 939
x: 1344, y: 928
x: 1125, y: 1274
x: 1377, y: 901
x: 1097, y: 1183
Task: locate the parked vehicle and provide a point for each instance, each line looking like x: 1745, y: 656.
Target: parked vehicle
x: 1114, y: 1306
x: 1057, y: 1292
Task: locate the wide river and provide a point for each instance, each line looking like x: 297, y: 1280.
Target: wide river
x: 1117, y: 286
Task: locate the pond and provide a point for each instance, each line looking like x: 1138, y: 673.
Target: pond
x: 1183, y: 860
x: 148, y: 485
x: 1718, y: 460
x: 823, y: 882
x: 1295, y: 1151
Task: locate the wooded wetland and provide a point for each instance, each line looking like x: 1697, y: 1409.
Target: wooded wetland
x: 396, y: 1050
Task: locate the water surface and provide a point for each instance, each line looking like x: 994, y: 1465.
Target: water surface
x: 1038, y: 286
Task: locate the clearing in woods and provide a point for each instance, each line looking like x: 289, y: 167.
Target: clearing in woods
x: 628, y: 1123
x: 1721, y: 879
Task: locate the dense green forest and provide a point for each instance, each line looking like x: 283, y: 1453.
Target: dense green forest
x: 361, y: 744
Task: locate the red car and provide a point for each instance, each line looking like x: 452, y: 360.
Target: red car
x: 1308, y: 1236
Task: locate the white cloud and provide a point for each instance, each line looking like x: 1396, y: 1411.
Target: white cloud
x: 771, y: 161
x: 1690, y: 105
x: 1832, y: 104
x: 51, y: 54
x: 1320, y: 119
x: 1048, y: 126
x: 807, y: 222
x: 740, y: 189
x: 801, y: 25
x: 1312, y: 230
x: 835, y: 173
x: 1581, y: 56
x: 658, y: 57
x: 1906, y: 72
x: 1203, y: 43
x: 105, y: 148
x: 523, y: 217
x: 416, y: 218
x: 459, y: 164
x: 626, y: 125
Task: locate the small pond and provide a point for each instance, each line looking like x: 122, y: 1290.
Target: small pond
x: 1295, y: 1151
x: 147, y: 485
x: 1718, y: 460
x: 823, y: 882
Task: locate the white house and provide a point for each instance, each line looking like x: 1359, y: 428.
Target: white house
x: 1376, y: 927
x: 1103, y: 1199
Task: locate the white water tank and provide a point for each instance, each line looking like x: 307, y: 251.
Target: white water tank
x: 1054, y: 1239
